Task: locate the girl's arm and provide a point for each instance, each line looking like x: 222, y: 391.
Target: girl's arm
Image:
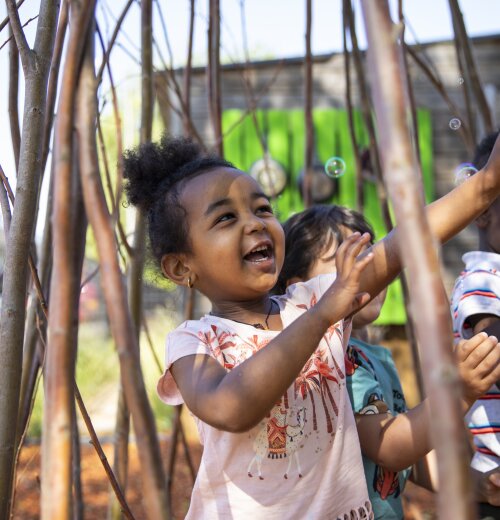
x: 237, y: 400
x: 397, y: 442
x: 447, y: 216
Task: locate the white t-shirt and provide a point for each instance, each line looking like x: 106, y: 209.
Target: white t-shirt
x: 477, y: 291
x: 303, y: 461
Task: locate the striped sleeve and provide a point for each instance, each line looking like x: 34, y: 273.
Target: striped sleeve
x: 475, y: 292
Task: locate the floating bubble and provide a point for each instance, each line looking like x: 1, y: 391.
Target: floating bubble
x: 335, y: 167
x: 455, y: 123
x: 463, y: 172
x: 460, y: 81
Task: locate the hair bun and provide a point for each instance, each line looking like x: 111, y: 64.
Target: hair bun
x: 151, y: 165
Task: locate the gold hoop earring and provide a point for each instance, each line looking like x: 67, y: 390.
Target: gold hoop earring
x: 190, y: 283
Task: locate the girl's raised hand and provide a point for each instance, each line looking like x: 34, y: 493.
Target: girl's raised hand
x: 478, y: 365
x: 343, y: 298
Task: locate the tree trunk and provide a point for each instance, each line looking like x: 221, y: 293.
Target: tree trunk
x: 430, y: 305
x: 136, y: 265
x: 36, y: 66
x: 69, y: 227
x: 124, y: 334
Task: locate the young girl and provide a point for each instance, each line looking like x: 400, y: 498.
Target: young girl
x: 264, y: 376
x: 390, y: 442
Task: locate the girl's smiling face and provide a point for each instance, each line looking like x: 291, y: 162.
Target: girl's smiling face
x: 236, y: 243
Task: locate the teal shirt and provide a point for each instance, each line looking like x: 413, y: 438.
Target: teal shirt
x: 372, y: 376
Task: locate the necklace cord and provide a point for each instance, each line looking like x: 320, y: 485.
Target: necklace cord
x: 259, y: 326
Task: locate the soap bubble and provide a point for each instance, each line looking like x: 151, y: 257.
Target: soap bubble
x: 455, y: 123
x: 335, y: 167
x: 460, y: 81
x: 463, y: 172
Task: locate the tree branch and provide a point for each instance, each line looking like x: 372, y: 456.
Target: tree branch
x: 17, y: 31
x: 5, y: 21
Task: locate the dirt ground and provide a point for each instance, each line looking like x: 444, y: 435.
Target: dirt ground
x: 419, y: 503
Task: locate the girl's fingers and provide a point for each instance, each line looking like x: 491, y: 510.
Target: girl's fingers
x: 488, y: 346
x: 355, y: 243
x: 358, y: 245
x: 341, y: 255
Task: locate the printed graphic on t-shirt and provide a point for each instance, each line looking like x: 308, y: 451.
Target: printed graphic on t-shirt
x: 285, y: 430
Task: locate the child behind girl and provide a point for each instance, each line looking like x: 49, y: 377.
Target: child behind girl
x: 390, y: 444
x: 476, y: 307
x: 265, y: 376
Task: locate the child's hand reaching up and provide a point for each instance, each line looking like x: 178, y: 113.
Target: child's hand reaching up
x: 343, y: 299
x: 478, y: 365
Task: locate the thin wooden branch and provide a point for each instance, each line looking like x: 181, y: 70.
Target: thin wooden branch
x: 192, y: 128
x: 107, y: 52
x: 165, y: 36
x: 213, y: 74
x: 470, y: 65
x: 185, y: 98
x: 104, y: 460
x: 17, y: 30
x: 256, y: 98
x: 119, y: 150
x: 464, y: 130
x: 409, y: 84
x: 13, y: 100
x: 350, y: 116
x: 11, y: 37
x: 156, y: 359
x: 5, y: 21
x: 308, y: 117
x: 366, y: 111
x: 432, y: 317
x: 22, y: 440
x: 77, y: 469
x: 187, y: 71
x: 36, y: 319
x: 5, y: 205
x: 136, y: 264
x: 53, y: 80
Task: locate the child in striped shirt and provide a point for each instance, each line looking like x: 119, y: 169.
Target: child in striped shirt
x: 476, y: 308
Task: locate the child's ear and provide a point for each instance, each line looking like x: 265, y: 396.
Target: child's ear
x: 175, y: 268
x: 483, y: 221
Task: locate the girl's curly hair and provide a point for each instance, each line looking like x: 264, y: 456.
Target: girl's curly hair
x: 155, y: 174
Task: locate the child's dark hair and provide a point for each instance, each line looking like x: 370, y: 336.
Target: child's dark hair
x: 483, y: 150
x: 310, y: 233
x: 155, y: 174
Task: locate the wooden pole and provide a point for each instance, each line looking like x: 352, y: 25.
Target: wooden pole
x: 430, y: 305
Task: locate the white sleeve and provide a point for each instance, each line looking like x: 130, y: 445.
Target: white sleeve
x: 183, y: 341
x: 475, y: 292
